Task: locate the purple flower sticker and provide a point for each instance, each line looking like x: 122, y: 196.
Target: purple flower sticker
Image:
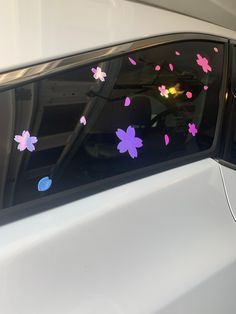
x: 25, y: 141
x: 128, y: 141
x: 192, y: 129
x: 203, y: 62
x: 98, y: 74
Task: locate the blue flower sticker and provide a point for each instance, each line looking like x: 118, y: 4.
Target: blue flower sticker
x: 44, y: 184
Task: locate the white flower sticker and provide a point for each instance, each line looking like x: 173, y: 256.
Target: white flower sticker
x: 98, y: 74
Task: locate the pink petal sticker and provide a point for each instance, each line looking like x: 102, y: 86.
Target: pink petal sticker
x: 205, y: 87
x: 127, y: 101
x: 83, y: 120
x: 171, y: 66
x: 167, y: 139
x: 157, y: 67
x: 132, y: 61
x: 189, y: 95
x: 177, y: 53
x: 216, y: 49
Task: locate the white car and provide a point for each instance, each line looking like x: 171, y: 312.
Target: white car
x: 118, y: 158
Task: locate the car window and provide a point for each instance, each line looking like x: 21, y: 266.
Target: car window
x: 110, y: 118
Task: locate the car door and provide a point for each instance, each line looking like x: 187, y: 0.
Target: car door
x: 112, y: 200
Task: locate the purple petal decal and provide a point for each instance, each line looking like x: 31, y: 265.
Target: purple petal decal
x: 127, y: 101
x: 132, y: 61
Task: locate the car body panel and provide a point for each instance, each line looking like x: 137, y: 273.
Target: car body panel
x: 58, y: 28
x: 136, y: 248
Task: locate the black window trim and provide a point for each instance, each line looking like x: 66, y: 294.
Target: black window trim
x: 12, y: 79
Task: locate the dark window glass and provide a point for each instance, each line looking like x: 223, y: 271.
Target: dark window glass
x: 109, y: 118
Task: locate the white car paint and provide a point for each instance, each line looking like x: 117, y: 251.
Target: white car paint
x: 137, y: 248
x: 229, y: 180
x: 39, y: 30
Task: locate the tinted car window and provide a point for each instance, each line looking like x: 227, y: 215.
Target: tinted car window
x: 109, y: 118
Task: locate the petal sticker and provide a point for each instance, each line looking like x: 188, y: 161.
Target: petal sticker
x: 205, y: 87
x: 83, y: 120
x: 216, y: 49
x: 44, y: 184
x: 192, y: 129
x: 128, y: 142
x: 189, y: 95
x: 167, y: 139
x: 171, y: 66
x: 203, y: 62
x: 132, y: 61
x: 25, y: 141
x: 157, y: 67
x: 127, y: 102
x: 98, y: 74
x: 177, y: 53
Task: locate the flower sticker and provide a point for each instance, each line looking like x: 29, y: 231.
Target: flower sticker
x: 128, y: 141
x: 205, y: 87
x: 171, y: 67
x: 177, y: 53
x: 192, y: 129
x: 132, y: 61
x: 163, y: 91
x: 98, y: 74
x: 25, y: 141
x: 203, y: 62
x: 157, y: 67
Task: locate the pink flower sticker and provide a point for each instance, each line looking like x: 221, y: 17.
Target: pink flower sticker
x: 177, y: 53
x: 203, y: 62
x: 192, y: 129
x: 25, y: 141
x: 83, y: 120
x: 128, y: 141
x: 205, y: 87
x: 127, y: 102
x: 171, y: 66
x: 167, y: 139
x: 132, y: 61
x: 163, y: 91
x: 189, y: 95
x: 157, y: 67
x: 98, y: 74
x: 216, y: 49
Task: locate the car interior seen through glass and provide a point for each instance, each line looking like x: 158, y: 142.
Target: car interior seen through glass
x: 108, y: 118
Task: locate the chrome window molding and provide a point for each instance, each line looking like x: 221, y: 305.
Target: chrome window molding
x: 12, y: 78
